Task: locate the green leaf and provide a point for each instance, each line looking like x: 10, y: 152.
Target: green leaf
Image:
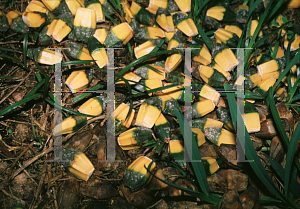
x: 294, y: 185
x: 290, y: 158
x: 19, y: 103
x: 286, y: 70
x: 195, y: 155
x: 83, y: 95
x: 251, y: 153
x: 25, y: 44
x: 205, y: 38
x: 36, y: 88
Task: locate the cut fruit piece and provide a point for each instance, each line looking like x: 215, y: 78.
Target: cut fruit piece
x: 101, y: 34
x: 96, y: 6
x: 154, y: 5
x: 148, y: 113
x: 199, y: 136
x: 60, y: 27
x: 211, y: 76
x: 16, y: 22
x: 77, y: 163
x: 227, y: 37
x: 264, y: 86
x: 77, y: 51
x: 78, y: 80
x: 70, y: 125
x: 210, y: 165
x: 162, y: 129
x: 119, y: 35
x: 224, y: 116
x: 118, y: 117
x: 129, y: 76
x: 134, y: 138
x: 176, y: 92
x: 84, y: 24
x: 145, y: 48
x: 184, y: 5
x: 176, y: 151
x: 185, y: 24
x: 97, y: 51
x: 235, y: 29
x: 202, y: 108
x: 204, y: 123
x: 224, y: 57
x: 165, y: 20
x: 251, y: 118
x: 149, y: 84
x: 202, y: 55
x: 136, y: 175
x: 33, y: 19
x: 94, y: 106
x: 148, y: 73
x: 44, y: 56
x: 219, y: 136
x: 142, y: 15
x: 221, y: 13
x: 143, y: 34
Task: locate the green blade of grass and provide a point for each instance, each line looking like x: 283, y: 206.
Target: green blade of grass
x: 145, y: 58
x: 83, y: 95
x: 250, y: 152
x: 197, y: 166
x: 25, y: 44
x: 286, y: 70
x: 293, y: 91
x: 110, y: 18
x: 294, y: 185
x: 268, y: 200
x: 288, y: 53
x: 51, y: 102
x: 19, y: 103
x: 9, y: 50
x: 290, y: 158
x: 36, y: 88
x: 274, y: 52
x: 262, y: 19
x: 205, y: 38
x: 46, y: 86
x: 40, y: 69
x: 269, y: 35
x: 76, y: 62
x: 274, y: 9
x: 20, y: 63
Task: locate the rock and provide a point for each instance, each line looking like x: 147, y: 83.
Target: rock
x: 120, y: 203
x: 68, y: 194
x: 217, y: 183
x: 268, y: 130
x: 284, y: 112
x: 231, y: 200
x: 98, y: 189
x: 236, y: 180
x: 276, y: 149
x: 250, y: 198
x: 257, y: 142
x: 140, y: 199
x: 22, y: 187
x: 208, y: 150
x: 156, y: 184
x: 229, y: 152
x: 173, y: 192
x: 80, y: 140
